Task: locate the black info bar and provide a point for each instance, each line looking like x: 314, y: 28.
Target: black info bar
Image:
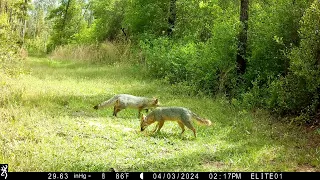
x: 160, y: 175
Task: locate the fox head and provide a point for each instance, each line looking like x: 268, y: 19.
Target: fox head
x: 146, y: 121
x: 156, y: 102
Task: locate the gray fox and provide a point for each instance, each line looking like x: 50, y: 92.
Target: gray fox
x: 123, y: 101
x: 180, y: 114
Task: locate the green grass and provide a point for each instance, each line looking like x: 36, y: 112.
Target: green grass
x: 48, y: 124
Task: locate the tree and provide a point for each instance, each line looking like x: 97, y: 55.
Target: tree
x: 12, y: 18
x: 67, y: 21
x: 172, y: 17
x: 242, y: 46
x: 147, y: 17
x: 109, y: 16
x: 305, y: 59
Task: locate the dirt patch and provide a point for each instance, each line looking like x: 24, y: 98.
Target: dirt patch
x: 122, y: 128
x: 314, y: 136
x: 215, y: 164
x: 96, y: 124
x: 306, y: 168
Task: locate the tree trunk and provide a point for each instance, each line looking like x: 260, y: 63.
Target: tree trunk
x: 24, y: 20
x: 172, y: 17
x: 10, y: 15
x: 90, y: 19
x: 64, y: 22
x: 6, y: 7
x: 24, y: 29
x: 242, y: 46
x: 66, y: 14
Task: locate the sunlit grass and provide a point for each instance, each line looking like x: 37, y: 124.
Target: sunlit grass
x: 48, y: 124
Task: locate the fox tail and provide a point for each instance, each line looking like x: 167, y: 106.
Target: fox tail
x: 109, y: 102
x: 201, y: 120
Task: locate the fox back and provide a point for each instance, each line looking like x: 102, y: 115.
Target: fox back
x: 123, y: 101
x: 130, y: 101
x: 180, y: 114
x: 167, y: 113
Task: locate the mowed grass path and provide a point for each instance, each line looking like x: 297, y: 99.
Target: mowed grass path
x: 48, y: 124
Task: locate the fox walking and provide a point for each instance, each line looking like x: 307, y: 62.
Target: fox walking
x: 123, y: 101
x: 180, y: 114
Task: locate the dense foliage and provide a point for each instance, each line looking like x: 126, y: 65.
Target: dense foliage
x: 298, y: 91
x: 13, y: 15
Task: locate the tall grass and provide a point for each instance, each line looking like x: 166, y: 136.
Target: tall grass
x: 106, y: 53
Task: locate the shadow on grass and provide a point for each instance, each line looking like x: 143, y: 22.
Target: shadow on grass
x: 192, y: 161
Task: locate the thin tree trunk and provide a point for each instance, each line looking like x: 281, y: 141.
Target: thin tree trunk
x: 24, y: 20
x: 24, y: 30
x: 242, y: 46
x: 35, y: 31
x: 172, y: 17
x: 6, y: 7
x: 90, y: 19
x: 64, y: 21
x: 87, y: 14
x: 10, y: 15
x: 66, y: 14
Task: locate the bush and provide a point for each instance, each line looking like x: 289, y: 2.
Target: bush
x: 36, y: 46
x: 297, y: 93
x: 208, y: 66
x: 10, y: 59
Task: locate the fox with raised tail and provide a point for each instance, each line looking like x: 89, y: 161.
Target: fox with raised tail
x: 182, y: 115
x: 123, y: 101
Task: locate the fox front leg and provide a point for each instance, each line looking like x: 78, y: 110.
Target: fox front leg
x: 156, y: 127
x: 139, y: 111
x: 160, y: 125
x: 114, y: 111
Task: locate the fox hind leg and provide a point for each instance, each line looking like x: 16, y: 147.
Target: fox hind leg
x: 182, y: 127
x: 194, y: 132
x: 189, y: 125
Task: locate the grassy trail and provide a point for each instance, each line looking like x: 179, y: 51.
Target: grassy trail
x: 47, y: 123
